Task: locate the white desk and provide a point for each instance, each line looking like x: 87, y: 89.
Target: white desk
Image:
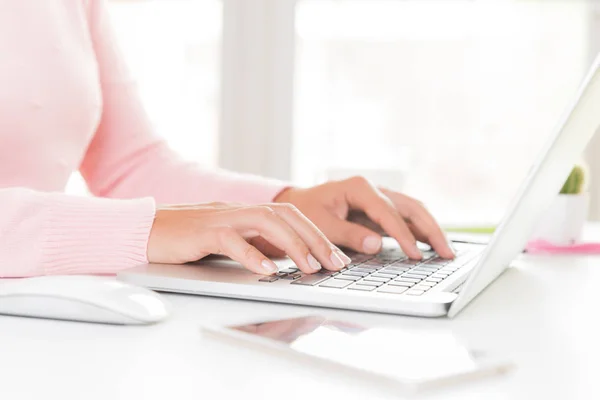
x: 544, y: 312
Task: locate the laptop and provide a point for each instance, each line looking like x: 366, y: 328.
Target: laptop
x: 389, y: 282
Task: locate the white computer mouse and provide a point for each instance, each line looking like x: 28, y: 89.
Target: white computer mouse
x: 81, y: 298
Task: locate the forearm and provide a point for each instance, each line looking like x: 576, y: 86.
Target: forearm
x: 158, y: 172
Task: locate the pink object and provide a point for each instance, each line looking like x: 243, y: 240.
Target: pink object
x: 541, y: 246
x: 68, y: 102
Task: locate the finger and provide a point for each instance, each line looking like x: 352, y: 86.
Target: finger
x: 269, y: 225
x: 266, y: 248
x: 329, y: 255
x: 230, y: 243
x: 432, y: 235
x: 351, y: 235
x: 362, y: 195
x: 429, y: 231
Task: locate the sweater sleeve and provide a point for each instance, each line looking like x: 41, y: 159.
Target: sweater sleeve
x: 52, y: 233
x: 126, y: 159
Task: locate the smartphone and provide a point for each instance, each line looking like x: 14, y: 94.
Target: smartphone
x: 411, y: 359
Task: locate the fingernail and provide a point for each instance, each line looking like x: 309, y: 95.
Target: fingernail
x: 269, y: 266
x: 336, y: 260
x: 371, y: 244
x: 313, y: 263
x: 347, y: 260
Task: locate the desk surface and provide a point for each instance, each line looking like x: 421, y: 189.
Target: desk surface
x: 543, y: 312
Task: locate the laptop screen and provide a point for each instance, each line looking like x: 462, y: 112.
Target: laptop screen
x: 543, y: 182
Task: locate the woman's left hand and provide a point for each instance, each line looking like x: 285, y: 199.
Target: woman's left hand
x: 401, y: 217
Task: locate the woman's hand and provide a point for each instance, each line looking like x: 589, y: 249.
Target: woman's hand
x: 182, y: 234
x: 403, y: 218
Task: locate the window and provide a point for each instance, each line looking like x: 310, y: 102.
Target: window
x: 173, y: 48
x: 454, y: 95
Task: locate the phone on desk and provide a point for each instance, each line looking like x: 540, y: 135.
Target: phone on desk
x: 414, y: 360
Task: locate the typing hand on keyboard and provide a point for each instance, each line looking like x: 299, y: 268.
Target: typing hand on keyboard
x: 401, y: 217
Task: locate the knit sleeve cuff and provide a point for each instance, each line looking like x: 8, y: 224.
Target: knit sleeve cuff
x: 95, y: 235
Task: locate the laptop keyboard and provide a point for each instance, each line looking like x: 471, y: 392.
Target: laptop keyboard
x: 388, y: 272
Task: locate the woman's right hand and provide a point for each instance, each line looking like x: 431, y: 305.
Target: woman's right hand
x: 188, y: 233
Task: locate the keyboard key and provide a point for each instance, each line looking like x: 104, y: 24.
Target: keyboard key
x: 382, y: 274
x: 370, y: 283
x: 405, y: 279
x: 310, y: 280
x: 384, y: 260
x: 433, y: 280
x: 374, y: 278
x: 427, y: 284
x: 347, y: 278
x: 373, y: 262
x: 399, y: 283
x: 335, y: 283
x: 387, y: 274
x: 415, y: 292
x: 291, y: 277
x: 427, y: 267
x: 268, y: 279
x: 408, y: 263
x: 362, y: 288
x: 416, y: 274
x: 417, y: 270
x: 440, y: 275
x: 353, y: 273
x: 421, y: 271
x: 369, y: 267
x: 392, y: 289
x: 439, y: 261
x: 325, y: 272
x: 423, y: 288
x: 290, y: 270
x: 362, y: 270
x: 400, y: 264
x: 413, y: 276
x: 396, y: 269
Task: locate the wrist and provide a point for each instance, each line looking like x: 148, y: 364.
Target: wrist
x: 284, y: 195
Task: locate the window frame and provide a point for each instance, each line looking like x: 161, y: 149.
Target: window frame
x: 257, y: 87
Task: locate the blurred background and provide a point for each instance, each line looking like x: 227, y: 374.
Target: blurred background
x: 446, y: 100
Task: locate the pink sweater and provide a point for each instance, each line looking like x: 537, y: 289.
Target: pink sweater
x: 68, y: 102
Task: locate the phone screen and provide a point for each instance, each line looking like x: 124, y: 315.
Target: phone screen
x: 405, y: 355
